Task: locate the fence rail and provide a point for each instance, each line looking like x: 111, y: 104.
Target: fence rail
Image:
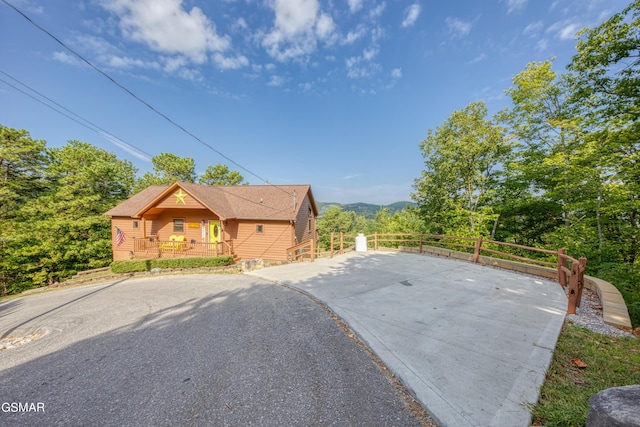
x: 154, y: 248
x: 301, y: 251
x: 570, y: 271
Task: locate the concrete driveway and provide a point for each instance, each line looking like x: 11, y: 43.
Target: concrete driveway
x: 186, y: 350
x: 472, y: 342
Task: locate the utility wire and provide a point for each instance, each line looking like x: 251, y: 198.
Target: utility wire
x: 95, y: 128
x: 112, y: 80
x: 84, y: 122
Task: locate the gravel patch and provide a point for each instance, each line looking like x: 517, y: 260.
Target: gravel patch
x: 589, y: 315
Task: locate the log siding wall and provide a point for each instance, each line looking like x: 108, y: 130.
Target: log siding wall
x: 302, y: 230
x: 271, y: 244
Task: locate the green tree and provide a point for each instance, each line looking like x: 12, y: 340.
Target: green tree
x: 607, y: 90
x: 64, y: 229
x: 606, y: 66
x: 460, y: 171
x: 407, y: 220
x: 537, y: 191
x: 220, y: 175
x: 167, y: 169
x: 22, y: 162
x: 335, y: 220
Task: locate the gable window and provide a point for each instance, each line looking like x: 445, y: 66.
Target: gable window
x: 178, y: 225
x: 259, y: 228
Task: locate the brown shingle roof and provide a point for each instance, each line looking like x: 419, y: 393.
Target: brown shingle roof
x: 136, y: 202
x: 261, y: 202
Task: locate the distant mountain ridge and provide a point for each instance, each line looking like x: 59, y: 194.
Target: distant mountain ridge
x: 367, y: 210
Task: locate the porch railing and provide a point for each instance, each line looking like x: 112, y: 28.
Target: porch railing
x: 154, y: 248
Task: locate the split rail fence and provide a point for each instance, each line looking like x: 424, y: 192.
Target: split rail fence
x: 570, y: 271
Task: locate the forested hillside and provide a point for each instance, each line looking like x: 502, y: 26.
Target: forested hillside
x: 560, y: 167
x: 367, y: 210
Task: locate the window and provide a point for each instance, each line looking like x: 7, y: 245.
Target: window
x: 178, y: 225
x: 135, y: 224
x: 259, y: 229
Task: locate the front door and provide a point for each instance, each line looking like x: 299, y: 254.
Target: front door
x: 214, y: 231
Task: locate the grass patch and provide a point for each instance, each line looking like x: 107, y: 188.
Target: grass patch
x: 610, y: 362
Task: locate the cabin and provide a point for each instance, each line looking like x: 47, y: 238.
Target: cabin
x: 185, y: 219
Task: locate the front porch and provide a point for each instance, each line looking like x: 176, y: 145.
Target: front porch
x: 153, y: 247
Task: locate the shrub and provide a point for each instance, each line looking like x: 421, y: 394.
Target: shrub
x: 131, y: 266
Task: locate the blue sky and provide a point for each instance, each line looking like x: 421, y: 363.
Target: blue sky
x: 337, y: 94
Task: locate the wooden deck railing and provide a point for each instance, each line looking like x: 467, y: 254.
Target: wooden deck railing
x: 570, y: 271
x: 154, y: 248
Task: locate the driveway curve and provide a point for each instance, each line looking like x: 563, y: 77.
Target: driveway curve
x: 186, y: 350
x: 473, y: 343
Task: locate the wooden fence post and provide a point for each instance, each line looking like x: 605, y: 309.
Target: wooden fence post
x: 331, y: 253
x: 573, y: 288
x: 420, y: 243
x: 375, y: 241
x: 583, y: 265
x: 313, y: 250
x: 562, y: 262
x: 341, y: 242
x: 476, y: 251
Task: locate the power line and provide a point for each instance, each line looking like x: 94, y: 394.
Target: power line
x: 95, y: 128
x: 88, y: 124
x: 136, y: 97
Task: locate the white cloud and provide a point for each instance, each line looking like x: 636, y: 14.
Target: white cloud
x: 353, y: 36
x: 569, y: 32
x: 564, y: 30
x: 370, y: 53
x: 128, y: 62
x: 478, y: 58
x: 355, y: 5
x: 230, y: 63
x: 458, y: 28
x: 66, y: 58
x: 515, y: 5
x: 275, y: 81
x: 411, y: 15
x: 174, y: 63
x: 165, y: 26
x: 325, y: 27
x: 298, y: 26
x: 541, y: 45
x: 396, y: 73
x: 533, y: 29
x: 362, y: 66
x: 377, y: 11
x: 126, y: 146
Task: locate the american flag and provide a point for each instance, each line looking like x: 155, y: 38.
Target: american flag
x: 119, y: 237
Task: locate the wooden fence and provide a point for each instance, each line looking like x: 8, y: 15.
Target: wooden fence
x: 570, y: 271
x: 302, y: 251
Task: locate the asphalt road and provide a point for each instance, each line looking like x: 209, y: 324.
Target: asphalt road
x: 187, y: 350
